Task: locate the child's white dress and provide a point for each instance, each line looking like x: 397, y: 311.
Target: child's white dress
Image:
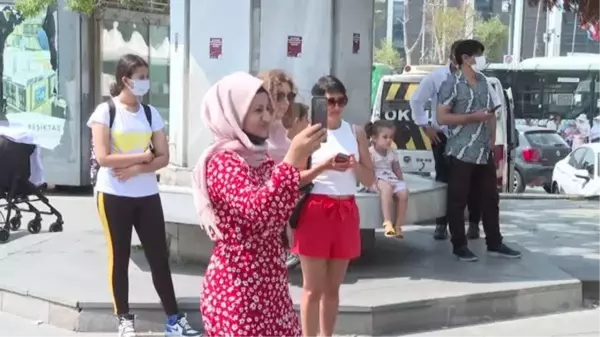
x: 383, y: 169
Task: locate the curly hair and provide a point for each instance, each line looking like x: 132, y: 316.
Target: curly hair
x: 274, y: 78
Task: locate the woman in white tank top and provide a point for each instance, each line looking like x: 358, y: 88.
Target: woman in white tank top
x: 327, y: 236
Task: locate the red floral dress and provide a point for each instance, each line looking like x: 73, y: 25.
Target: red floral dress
x: 245, y: 290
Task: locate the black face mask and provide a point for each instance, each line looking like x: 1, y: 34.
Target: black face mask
x: 256, y: 140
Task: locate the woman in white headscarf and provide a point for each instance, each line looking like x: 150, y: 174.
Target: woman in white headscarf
x: 582, y: 124
x: 595, y: 130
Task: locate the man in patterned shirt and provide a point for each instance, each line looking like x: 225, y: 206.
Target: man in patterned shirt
x: 465, y: 104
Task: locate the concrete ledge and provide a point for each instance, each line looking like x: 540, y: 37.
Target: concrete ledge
x: 421, y: 288
x: 187, y: 243
x: 90, y: 316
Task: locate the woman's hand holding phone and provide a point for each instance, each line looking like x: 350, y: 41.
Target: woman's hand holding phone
x: 304, y: 144
x: 341, y: 162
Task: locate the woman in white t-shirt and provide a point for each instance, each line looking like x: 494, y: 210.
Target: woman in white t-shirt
x: 130, y: 145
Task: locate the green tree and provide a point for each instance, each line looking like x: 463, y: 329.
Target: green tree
x: 449, y: 24
x: 387, y: 54
x: 494, y: 36
x: 33, y: 7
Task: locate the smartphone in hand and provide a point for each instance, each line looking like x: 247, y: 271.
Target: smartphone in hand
x: 493, y: 110
x: 342, y: 158
x: 318, y: 111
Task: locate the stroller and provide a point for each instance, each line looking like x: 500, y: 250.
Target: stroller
x: 19, y: 186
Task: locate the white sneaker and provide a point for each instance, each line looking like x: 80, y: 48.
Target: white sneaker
x: 180, y: 327
x: 127, y: 326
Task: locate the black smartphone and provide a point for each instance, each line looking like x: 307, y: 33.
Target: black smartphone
x: 495, y: 108
x: 318, y: 111
x: 341, y: 158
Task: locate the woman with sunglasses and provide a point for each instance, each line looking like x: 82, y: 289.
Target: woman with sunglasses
x: 282, y: 89
x: 328, y: 232
x: 283, y: 92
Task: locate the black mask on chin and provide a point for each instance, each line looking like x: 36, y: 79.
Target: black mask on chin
x: 254, y: 139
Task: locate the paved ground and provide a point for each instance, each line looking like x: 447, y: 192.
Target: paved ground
x: 573, y: 324
x: 566, y: 232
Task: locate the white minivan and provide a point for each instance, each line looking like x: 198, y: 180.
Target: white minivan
x: 413, y: 147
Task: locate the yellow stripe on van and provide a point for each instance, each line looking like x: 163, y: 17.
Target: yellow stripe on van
x: 402, y: 92
x: 410, y: 145
x: 393, y: 90
x: 426, y: 139
x: 411, y: 90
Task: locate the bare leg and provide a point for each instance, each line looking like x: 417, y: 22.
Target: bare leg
x: 314, y: 280
x: 336, y: 271
x: 401, y: 206
x: 386, y: 194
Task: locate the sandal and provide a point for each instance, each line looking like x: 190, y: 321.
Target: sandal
x: 389, y: 230
x: 399, y: 234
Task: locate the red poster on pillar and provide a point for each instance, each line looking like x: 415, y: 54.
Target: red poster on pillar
x: 294, y: 46
x: 355, y: 43
x: 215, y: 47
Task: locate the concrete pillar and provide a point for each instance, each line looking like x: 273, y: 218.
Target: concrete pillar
x: 213, y: 38
x: 310, y: 20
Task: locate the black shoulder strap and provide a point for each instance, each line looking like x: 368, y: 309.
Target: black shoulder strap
x: 148, y: 112
x: 112, y: 111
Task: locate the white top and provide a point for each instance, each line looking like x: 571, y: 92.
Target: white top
x: 130, y: 133
x: 25, y: 136
x: 383, y: 164
x: 427, y: 90
x: 341, y: 140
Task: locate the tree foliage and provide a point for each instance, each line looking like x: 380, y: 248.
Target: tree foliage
x: 387, y: 54
x: 88, y: 7
x: 494, y: 36
x: 449, y: 24
x: 588, y: 9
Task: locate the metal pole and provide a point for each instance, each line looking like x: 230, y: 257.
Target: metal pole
x: 518, y: 30
x: 511, y: 11
x: 389, y: 34
x: 574, y: 31
x: 537, y: 25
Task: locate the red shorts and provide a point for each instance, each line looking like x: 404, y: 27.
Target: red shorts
x: 328, y: 228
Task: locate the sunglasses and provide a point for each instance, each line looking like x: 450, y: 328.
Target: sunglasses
x: 281, y: 96
x: 340, y: 102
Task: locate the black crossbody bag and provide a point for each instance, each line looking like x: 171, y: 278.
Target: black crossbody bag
x: 295, y: 217
x: 304, y: 192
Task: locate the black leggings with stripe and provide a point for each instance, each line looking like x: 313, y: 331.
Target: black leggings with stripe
x: 119, y: 215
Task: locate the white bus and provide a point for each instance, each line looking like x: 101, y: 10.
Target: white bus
x: 542, y: 86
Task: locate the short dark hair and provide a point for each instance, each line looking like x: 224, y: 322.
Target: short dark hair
x: 328, y: 84
x: 469, y: 48
x: 453, y: 47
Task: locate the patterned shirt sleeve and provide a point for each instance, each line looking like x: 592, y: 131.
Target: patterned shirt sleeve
x: 269, y: 205
x: 447, y: 92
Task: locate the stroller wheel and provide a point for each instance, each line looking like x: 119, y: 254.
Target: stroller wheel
x: 56, y: 227
x: 15, y: 223
x: 34, y: 226
x: 4, y: 235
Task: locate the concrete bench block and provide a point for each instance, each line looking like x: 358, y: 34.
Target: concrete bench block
x: 188, y: 243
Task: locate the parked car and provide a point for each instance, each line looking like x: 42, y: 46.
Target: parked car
x: 538, y: 151
x: 579, y: 172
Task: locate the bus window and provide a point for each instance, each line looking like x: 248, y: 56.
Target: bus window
x: 528, y: 96
x: 560, y: 93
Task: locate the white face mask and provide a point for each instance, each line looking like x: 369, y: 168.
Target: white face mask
x: 140, y: 87
x: 480, y: 63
